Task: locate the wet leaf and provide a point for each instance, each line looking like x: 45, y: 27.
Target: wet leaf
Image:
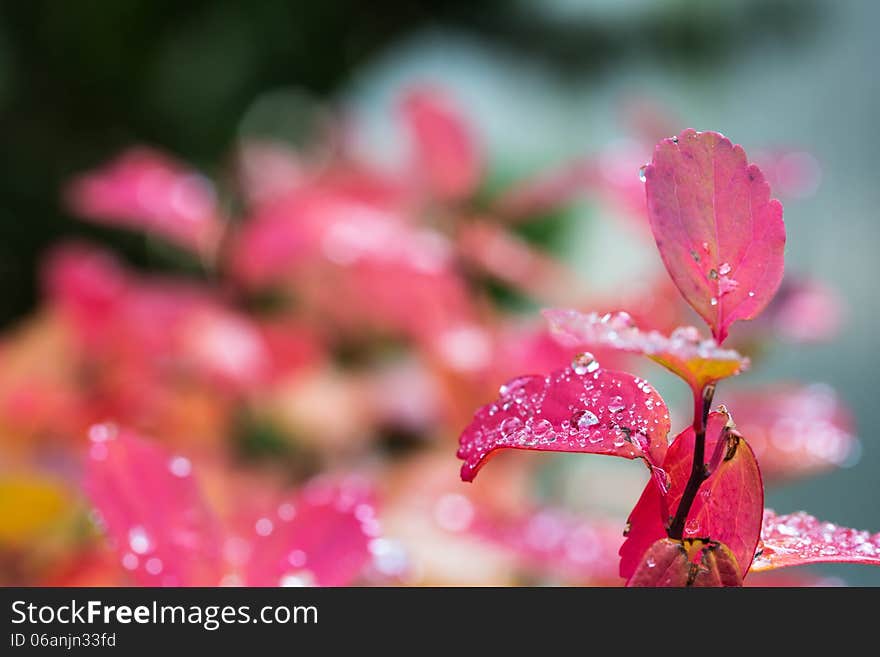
x: 585, y: 409
x: 720, y: 235
x: 698, y: 361
x: 687, y: 563
x: 320, y: 537
x: 798, y: 539
x: 727, y: 507
x: 152, y: 509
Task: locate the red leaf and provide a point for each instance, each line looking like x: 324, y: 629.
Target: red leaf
x: 146, y: 190
x: 153, y: 510
x: 798, y: 539
x: 687, y: 563
x: 445, y: 153
x: 584, y: 409
x: 318, y: 538
x: 719, y: 233
x: 727, y: 508
x: 698, y: 362
x: 794, y: 430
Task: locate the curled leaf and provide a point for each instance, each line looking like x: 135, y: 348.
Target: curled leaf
x: 798, y: 539
x: 585, y: 409
x: 687, y: 563
x: 698, y: 362
x: 728, y: 505
x: 720, y: 234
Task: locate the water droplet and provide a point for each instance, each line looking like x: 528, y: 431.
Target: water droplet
x: 542, y: 431
x: 650, y: 563
x: 99, y: 433
x: 139, y: 540
x: 621, y: 320
x: 616, y: 404
x: 286, y: 511
x: 643, y: 172
x: 692, y: 526
x: 726, y: 285
x: 706, y: 247
x: 713, y: 274
x: 153, y: 566
x: 686, y: 333
x: 724, y: 269
x: 619, y: 438
x: 713, y: 301
x: 751, y: 293
x: 584, y: 363
x: 263, y: 527
x: 296, y: 558
x: 584, y: 419
x: 180, y: 466
x: 511, y: 427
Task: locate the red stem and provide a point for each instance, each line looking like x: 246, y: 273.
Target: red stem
x: 702, y: 405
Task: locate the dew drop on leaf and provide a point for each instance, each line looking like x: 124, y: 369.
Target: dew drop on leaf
x: 584, y: 363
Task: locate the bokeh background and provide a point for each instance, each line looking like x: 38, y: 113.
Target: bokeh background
x: 542, y: 83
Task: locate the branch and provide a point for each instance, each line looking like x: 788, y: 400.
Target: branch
x: 702, y: 405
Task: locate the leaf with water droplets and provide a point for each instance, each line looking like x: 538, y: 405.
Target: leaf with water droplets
x: 152, y: 509
x: 687, y: 563
x: 727, y: 507
x: 444, y: 150
x: 698, y: 361
x: 795, y: 430
x: 798, y: 539
x: 597, y: 411
x: 711, y: 212
x: 147, y: 190
x: 320, y: 537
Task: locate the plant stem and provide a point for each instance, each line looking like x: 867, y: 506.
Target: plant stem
x: 702, y: 405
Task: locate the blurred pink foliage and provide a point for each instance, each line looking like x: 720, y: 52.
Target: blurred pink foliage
x: 338, y: 324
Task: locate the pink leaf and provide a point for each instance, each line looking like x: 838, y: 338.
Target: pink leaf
x: 152, y: 509
x: 798, y: 539
x: 720, y: 235
x: 727, y: 508
x: 699, y: 362
x: 320, y: 537
x: 585, y: 409
x: 146, y: 190
x: 795, y: 430
x: 445, y: 154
